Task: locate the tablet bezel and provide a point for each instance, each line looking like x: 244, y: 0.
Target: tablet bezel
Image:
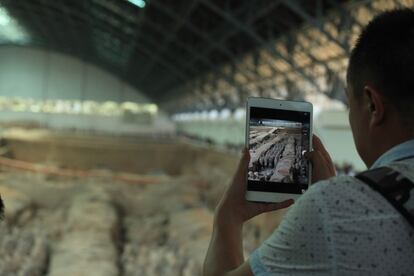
x: 299, y: 106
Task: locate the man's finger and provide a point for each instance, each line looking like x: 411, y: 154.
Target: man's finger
x: 283, y: 204
x: 318, y: 146
x: 245, y: 158
x: 320, y: 170
x: 276, y: 206
x: 316, y: 158
x: 243, y: 164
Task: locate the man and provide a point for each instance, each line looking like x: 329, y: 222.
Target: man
x: 340, y: 226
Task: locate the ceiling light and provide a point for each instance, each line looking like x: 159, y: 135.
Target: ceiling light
x: 4, y: 17
x: 10, y: 30
x: 138, y: 3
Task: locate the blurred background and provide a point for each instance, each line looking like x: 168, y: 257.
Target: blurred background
x: 122, y: 121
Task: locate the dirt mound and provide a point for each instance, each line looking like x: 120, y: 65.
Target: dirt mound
x: 99, y: 224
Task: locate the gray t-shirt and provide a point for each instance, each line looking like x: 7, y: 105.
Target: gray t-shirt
x: 340, y: 227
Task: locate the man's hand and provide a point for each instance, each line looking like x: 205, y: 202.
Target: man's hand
x: 234, y: 207
x: 322, y: 165
x: 225, y: 253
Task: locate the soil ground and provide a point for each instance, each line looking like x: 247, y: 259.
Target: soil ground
x: 96, y: 223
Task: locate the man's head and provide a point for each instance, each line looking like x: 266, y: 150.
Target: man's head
x: 1, y: 208
x: 381, y: 84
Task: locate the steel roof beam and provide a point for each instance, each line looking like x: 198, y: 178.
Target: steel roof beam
x: 344, y: 11
x: 306, y: 51
x: 227, y: 34
x: 197, y: 32
x: 141, y: 17
x: 55, y: 32
x: 166, y: 64
x: 229, y: 80
x: 28, y: 11
x: 117, y: 33
x: 27, y: 8
x: 125, y: 39
x: 170, y: 37
x: 214, y: 68
x: 270, y: 65
x: 74, y: 36
x: 184, y: 46
x: 295, y: 7
x: 248, y: 30
x: 314, y: 59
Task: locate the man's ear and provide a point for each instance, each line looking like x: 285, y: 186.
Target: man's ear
x: 375, y: 105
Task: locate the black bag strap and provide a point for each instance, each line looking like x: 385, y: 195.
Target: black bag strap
x: 392, y: 185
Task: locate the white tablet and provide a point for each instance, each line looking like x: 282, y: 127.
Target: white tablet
x: 277, y: 133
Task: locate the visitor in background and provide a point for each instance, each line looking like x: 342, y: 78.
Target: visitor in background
x: 1, y: 208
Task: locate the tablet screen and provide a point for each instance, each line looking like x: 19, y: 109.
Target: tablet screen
x: 277, y: 139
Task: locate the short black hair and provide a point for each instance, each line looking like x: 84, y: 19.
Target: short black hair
x: 384, y: 57
x: 1, y: 208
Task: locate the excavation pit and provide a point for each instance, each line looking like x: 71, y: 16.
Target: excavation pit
x: 127, y: 205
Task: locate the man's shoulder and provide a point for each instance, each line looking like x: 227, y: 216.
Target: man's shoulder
x: 403, y: 167
x: 332, y: 194
x: 346, y: 197
x: 335, y: 184
x: 351, y: 184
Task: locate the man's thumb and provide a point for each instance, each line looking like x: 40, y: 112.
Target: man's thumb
x: 279, y: 205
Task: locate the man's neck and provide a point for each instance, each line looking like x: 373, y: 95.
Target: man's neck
x: 389, y: 140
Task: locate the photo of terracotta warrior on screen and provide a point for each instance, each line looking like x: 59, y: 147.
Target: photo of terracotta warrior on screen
x: 276, y: 151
